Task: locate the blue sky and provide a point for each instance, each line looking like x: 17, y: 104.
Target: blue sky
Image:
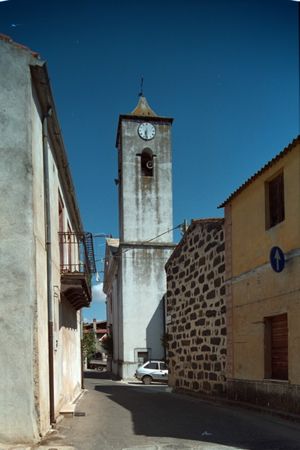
x: 226, y: 71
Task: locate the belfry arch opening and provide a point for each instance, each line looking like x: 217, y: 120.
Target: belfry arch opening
x: 147, y: 162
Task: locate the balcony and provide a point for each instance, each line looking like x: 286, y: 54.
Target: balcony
x: 76, y: 268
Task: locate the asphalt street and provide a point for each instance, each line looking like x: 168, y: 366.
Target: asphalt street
x: 130, y: 416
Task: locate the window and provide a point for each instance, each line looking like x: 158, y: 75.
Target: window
x: 147, y: 163
x: 151, y: 365
x: 163, y: 366
x: 274, y: 201
x: 142, y: 356
x: 276, y: 347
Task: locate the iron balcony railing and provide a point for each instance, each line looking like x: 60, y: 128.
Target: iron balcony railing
x: 76, y: 253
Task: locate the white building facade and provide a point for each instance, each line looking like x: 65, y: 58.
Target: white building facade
x: 45, y: 260
x: 135, y: 281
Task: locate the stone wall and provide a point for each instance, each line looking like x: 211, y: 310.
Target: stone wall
x: 196, y: 310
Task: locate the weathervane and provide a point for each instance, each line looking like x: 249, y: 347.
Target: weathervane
x: 141, y: 94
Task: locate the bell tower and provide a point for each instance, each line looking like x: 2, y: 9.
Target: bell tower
x: 145, y: 175
x: 145, y: 232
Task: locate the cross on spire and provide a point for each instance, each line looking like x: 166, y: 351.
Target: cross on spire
x: 141, y: 94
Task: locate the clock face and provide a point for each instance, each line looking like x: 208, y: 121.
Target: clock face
x: 146, y: 131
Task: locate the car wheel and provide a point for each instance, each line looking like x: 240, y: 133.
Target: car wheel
x: 147, y: 379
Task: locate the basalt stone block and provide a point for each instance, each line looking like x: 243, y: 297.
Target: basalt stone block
x: 221, y: 269
x: 211, y: 294
x: 193, y: 316
x: 190, y: 374
x: 217, y: 322
x: 223, y: 331
x: 196, y: 306
x: 196, y: 238
x: 197, y: 291
x: 222, y: 290
x: 217, y: 367
x: 187, y: 262
x: 223, y: 309
x: 193, y: 284
x: 205, y: 288
x: 201, y: 261
x: 188, y: 310
x: 181, y: 373
x: 201, y: 278
x: 183, y: 288
x: 210, y: 275
x: 189, y: 278
x: 180, y: 328
x: 217, y: 261
x: 211, y: 313
x: 186, y: 342
x: 209, y: 246
x: 201, y: 243
x: 192, y: 268
x: 187, y: 294
x: 200, y: 322
x: 199, y: 357
x: 175, y: 270
x: 188, y: 326
x: 221, y: 248
x: 207, y: 366
x: 199, y: 340
x: 181, y: 274
x: 206, y: 333
x: 195, y: 386
x: 213, y: 376
x: 174, y: 345
x: 217, y: 282
x: 192, y: 301
x: 215, y: 341
x: 213, y: 357
x: 205, y: 348
x: 193, y: 333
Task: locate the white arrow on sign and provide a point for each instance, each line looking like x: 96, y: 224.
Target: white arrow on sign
x: 277, y: 259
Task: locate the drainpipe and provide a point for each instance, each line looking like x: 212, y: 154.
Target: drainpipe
x: 49, y: 265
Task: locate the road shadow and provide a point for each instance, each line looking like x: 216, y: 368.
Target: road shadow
x: 161, y: 414
x: 100, y: 375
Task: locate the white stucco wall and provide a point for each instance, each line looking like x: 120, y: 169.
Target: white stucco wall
x: 144, y: 285
x: 24, y: 393
x: 17, y: 244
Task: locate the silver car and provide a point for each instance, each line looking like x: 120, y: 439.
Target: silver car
x: 152, y: 371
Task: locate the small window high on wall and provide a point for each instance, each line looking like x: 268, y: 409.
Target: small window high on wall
x: 147, y: 163
x: 274, y: 189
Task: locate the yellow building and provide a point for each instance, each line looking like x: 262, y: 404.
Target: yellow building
x: 262, y: 254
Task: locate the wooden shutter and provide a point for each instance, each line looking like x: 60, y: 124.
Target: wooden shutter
x: 279, y: 347
x: 276, y: 200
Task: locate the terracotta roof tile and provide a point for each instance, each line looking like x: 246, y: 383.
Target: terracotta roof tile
x: 269, y: 164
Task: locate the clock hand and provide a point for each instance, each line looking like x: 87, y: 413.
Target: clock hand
x: 146, y: 133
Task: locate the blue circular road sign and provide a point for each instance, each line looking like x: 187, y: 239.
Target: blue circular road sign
x: 277, y: 259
